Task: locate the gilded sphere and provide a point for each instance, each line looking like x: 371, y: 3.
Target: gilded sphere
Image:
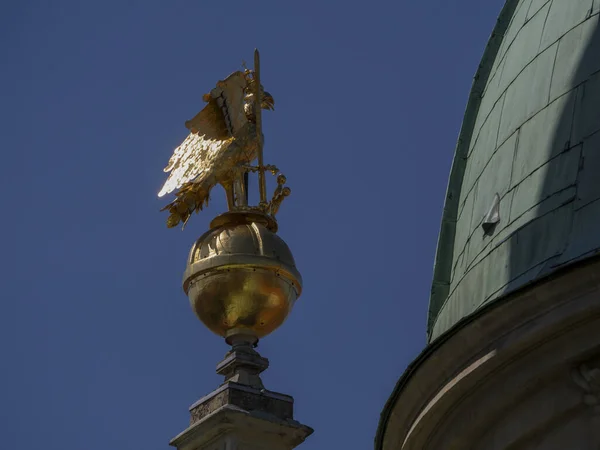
x: 241, y: 276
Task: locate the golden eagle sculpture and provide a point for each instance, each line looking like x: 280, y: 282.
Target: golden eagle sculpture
x: 225, y: 137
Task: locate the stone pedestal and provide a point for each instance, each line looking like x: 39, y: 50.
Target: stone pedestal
x: 241, y: 414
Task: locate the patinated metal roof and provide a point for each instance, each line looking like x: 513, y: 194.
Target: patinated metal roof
x: 525, y: 161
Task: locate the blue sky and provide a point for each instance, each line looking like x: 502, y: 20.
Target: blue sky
x: 100, y: 348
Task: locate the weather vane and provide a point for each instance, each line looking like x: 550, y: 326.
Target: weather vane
x: 240, y: 277
x: 225, y: 138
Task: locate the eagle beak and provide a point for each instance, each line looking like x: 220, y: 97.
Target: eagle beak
x: 268, y: 102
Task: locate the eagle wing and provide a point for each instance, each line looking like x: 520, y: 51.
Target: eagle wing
x: 230, y: 94
x: 211, y: 130
x: 208, y: 135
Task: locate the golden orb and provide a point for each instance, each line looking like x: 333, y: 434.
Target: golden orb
x: 241, y: 277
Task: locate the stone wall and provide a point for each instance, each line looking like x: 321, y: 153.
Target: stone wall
x: 524, y: 375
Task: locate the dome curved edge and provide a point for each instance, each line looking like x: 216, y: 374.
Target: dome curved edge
x: 442, y: 269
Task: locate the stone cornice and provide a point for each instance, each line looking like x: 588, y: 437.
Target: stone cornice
x: 490, y: 345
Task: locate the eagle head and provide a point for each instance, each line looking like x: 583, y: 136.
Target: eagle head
x: 268, y: 102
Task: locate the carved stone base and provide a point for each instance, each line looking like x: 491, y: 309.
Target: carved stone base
x: 238, y: 417
x: 242, y: 414
x: 279, y: 406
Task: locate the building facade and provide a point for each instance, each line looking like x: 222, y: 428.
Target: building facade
x: 513, y: 359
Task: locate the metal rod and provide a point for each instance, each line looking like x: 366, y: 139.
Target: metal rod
x: 262, y: 185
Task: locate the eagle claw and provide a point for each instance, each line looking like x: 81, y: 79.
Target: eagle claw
x: 269, y: 168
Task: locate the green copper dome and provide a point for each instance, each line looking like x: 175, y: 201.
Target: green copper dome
x: 524, y: 190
